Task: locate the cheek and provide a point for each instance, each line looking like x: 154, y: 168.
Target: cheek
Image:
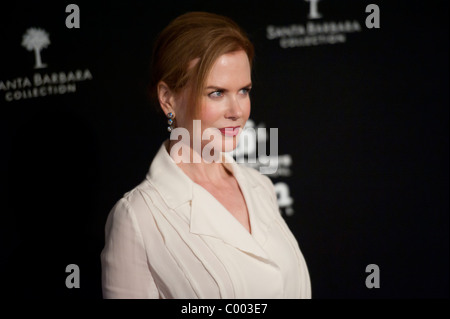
x: 247, y: 109
x: 210, y: 113
x: 213, y: 111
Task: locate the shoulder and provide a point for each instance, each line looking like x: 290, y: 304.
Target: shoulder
x: 256, y: 179
x: 133, y: 212
x: 133, y: 202
x: 255, y: 176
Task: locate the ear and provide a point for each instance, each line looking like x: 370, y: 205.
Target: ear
x: 166, y: 98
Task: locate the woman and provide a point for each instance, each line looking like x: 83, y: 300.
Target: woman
x: 200, y: 225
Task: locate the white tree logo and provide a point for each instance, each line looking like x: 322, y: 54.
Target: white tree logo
x: 36, y: 39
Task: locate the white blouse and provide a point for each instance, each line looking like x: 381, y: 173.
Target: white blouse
x: 170, y: 238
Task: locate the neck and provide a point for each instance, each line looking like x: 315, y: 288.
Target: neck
x: 193, y: 164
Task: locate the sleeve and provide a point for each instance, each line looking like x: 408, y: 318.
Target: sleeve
x: 125, y: 272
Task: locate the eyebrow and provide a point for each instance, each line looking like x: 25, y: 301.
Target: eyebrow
x: 218, y: 88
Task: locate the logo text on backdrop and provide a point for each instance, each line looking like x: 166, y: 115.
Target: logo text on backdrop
x: 42, y: 83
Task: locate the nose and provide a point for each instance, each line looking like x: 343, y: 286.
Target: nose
x: 234, y: 110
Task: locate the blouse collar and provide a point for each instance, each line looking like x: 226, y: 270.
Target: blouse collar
x: 207, y: 215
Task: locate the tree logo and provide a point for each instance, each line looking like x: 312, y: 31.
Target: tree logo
x: 313, y: 10
x: 36, y: 39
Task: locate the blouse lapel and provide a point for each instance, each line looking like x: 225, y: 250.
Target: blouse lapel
x: 208, y: 216
x: 257, y: 204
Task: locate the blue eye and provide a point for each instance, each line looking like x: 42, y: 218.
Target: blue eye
x: 245, y: 91
x: 216, y: 94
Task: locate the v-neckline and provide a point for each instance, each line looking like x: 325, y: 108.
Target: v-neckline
x: 246, y: 203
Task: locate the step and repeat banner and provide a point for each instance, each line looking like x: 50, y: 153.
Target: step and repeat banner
x: 354, y: 92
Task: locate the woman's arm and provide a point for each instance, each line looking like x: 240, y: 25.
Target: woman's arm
x: 125, y: 271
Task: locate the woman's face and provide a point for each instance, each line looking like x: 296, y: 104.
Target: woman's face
x: 225, y: 103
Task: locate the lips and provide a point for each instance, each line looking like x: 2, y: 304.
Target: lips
x: 230, y: 131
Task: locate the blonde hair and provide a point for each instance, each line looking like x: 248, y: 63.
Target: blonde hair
x: 200, y: 36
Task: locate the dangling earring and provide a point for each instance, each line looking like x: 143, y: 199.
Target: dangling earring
x: 170, y: 117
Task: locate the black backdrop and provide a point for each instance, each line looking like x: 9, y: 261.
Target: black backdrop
x: 362, y: 113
